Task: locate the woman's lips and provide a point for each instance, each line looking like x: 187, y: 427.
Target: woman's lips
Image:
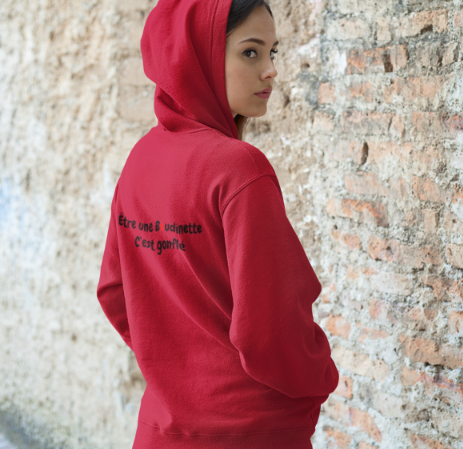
x: 263, y: 94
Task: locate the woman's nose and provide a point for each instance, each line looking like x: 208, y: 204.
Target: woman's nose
x: 271, y: 71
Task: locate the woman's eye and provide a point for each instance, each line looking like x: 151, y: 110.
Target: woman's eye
x: 274, y: 52
x: 247, y: 51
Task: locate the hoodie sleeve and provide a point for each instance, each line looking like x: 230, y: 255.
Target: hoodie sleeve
x: 273, y: 287
x: 110, y: 291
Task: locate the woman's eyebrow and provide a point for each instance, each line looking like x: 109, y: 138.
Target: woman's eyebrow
x: 258, y: 41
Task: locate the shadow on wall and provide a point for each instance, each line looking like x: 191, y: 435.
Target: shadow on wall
x: 16, y: 435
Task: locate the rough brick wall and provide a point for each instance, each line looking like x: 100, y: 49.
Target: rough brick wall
x: 365, y: 131
x: 73, y: 104
x: 369, y: 137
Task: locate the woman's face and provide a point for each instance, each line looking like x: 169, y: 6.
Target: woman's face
x: 249, y: 66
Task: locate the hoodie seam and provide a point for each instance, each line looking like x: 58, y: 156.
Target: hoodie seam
x: 211, y: 33
x: 242, y: 144
x: 242, y: 187
x: 222, y: 434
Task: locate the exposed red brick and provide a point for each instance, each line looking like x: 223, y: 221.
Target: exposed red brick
x: 421, y: 442
x: 352, y: 241
x: 457, y: 196
x: 419, y: 318
x: 336, y: 234
x: 383, y: 28
x: 450, y: 54
x: 356, y: 151
x: 360, y: 364
x: 410, y: 89
x: 377, y: 308
x: 377, y: 60
x: 444, y: 288
x: 394, y: 152
x: 434, y: 386
x: 326, y: 93
x: 336, y: 439
x: 372, y: 122
x: 325, y: 299
x: 443, y: 382
x: 364, y: 183
x: 407, y: 218
x: 337, y: 325
x: 397, y: 127
x: 415, y: 23
x: 390, y: 282
x: 432, y: 53
x: 383, y: 249
x: 427, y: 87
x: 431, y: 220
x: 454, y: 124
x: 344, y: 387
x: 350, y: 416
x: 428, y: 123
x: 450, y: 222
x: 363, y: 445
x: 364, y: 420
x: 421, y: 350
x: 426, y: 189
x: 409, y: 377
x: 354, y: 271
x: 427, y: 158
x: 332, y: 206
x: 323, y: 121
x: 456, y: 322
x: 372, y: 212
x: 362, y: 90
x: 451, y: 356
x: 356, y: 61
x: 458, y: 19
x: 418, y: 257
x: 454, y: 255
x: 336, y: 410
x: 368, y: 333
x: 391, y: 250
x: 326, y: 292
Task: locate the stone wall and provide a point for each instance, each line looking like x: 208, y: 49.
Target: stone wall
x: 74, y: 102
x: 367, y: 138
x: 365, y: 132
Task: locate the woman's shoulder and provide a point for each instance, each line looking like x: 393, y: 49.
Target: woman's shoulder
x: 238, y: 154
x: 238, y: 164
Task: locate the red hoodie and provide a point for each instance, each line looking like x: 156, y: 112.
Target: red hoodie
x: 203, y: 275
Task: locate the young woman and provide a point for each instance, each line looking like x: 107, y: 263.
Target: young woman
x: 203, y: 275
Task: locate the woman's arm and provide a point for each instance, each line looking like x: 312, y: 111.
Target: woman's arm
x: 273, y: 287
x: 110, y: 291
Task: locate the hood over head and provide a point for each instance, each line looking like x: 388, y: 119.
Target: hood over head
x: 183, y: 49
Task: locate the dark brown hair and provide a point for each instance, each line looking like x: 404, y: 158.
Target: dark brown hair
x: 239, y: 12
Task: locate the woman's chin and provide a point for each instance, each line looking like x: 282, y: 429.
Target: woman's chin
x: 255, y: 112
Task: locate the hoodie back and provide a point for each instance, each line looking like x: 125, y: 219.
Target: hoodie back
x: 203, y: 275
